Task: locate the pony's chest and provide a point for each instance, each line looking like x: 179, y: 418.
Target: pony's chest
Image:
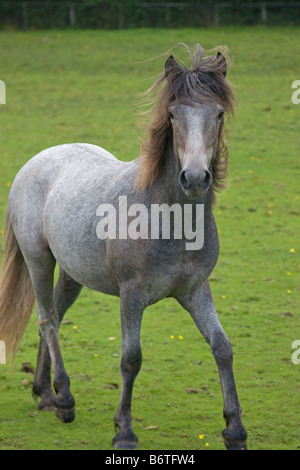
x: 167, y: 272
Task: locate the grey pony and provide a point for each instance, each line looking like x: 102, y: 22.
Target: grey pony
x: 52, y: 219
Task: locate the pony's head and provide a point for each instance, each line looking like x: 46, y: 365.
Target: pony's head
x: 190, y: 112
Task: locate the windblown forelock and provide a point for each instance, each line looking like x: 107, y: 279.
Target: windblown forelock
x: 206, y: 83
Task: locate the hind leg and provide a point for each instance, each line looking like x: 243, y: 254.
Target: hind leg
x: 41, y: 269
x: 65, y: 293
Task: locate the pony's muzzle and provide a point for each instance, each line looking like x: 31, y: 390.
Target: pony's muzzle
x: 195, y: 182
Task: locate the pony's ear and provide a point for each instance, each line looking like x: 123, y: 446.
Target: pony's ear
x: 170, y: 63
x: 222, y: 62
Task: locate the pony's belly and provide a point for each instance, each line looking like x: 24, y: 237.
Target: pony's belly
x: 93, y: 276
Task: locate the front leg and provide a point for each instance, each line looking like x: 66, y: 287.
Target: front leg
x: 131, y: 360
x: 201, y: 307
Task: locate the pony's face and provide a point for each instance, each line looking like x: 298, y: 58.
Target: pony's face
x: 195, y: 141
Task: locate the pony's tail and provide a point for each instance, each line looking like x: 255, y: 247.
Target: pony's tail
x: 16, y: 292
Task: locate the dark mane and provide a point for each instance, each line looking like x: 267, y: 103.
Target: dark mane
x: 204, y: 81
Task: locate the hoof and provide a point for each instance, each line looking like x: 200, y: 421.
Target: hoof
x: 235, y: 443
x: 66, y: 415
x: 125, y: 440
x: 231, y: 445
x: 46, y: 404
x: 48, y: 408
x: 125, y: 444
x: 47, y: 400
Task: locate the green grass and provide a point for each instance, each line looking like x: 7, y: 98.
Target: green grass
x: 84, y: 86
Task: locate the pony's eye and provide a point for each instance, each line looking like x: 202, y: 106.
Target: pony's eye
x: 220, y: 115
x: 171, y: 115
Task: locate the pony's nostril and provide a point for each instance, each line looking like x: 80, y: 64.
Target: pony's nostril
x: 183, y: 180
x: 207, y: 180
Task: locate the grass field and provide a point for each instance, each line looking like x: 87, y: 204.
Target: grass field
x: 84, y: 86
